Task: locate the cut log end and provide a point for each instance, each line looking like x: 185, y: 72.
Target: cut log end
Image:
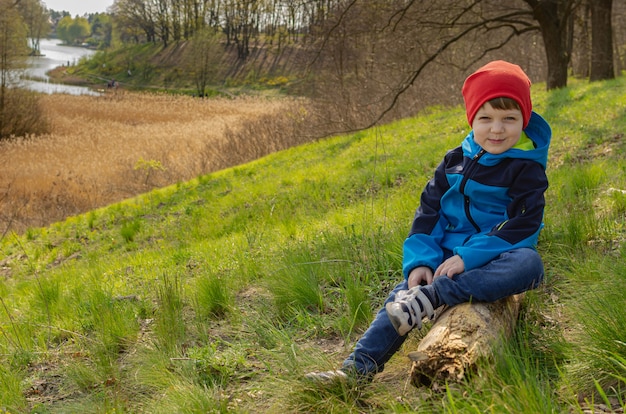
x: 459, y: 337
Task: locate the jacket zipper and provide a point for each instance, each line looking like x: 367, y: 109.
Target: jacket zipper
x: 466, y: 177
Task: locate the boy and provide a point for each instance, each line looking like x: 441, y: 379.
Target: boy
x: 474, y: 234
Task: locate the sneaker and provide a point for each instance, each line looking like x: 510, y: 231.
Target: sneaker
x: 344, y: 376
x: 408, y: 309
x: 327, y: 377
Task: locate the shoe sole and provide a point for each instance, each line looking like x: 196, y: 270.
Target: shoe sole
x: 395, y: 321
x: 327, y: 377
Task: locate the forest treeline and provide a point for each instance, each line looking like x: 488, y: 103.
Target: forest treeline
x: 360, y: 62
x: 241, y: 22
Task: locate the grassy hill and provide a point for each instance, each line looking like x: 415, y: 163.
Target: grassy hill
x: 218, y: 294
x: 152, y: 67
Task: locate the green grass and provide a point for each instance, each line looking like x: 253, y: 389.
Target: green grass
x: 218, y: 294
x: 151, y: 67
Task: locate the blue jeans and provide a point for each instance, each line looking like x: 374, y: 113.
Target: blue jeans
x: 510, y: 273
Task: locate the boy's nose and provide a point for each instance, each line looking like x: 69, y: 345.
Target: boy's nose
x: 497, y: 127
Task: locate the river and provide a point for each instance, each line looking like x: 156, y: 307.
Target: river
x: 54, y: 55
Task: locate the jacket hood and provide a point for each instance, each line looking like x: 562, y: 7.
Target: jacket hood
x: 538, y: 130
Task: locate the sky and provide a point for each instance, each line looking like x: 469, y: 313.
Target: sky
x: 79, y: 7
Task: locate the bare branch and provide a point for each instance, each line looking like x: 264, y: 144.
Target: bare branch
x: 327, y: 35
x: 415, y: 74
x: 466, y: 10
x: 400, y: 13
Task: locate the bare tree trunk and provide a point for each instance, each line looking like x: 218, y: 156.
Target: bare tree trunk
x: 460, y: 336
x: 557, y: 27
x: 581, y: 56
x: 601, y: 41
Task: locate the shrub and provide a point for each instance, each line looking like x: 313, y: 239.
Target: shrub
x: 20, y: 114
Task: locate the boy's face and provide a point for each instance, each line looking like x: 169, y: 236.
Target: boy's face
x: 497, y: 130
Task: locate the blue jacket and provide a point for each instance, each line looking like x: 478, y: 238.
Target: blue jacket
x: 479, y: 205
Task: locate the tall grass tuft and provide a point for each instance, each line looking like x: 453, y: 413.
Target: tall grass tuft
x: 213, y: 297
x: 574, y: 195
x: 598, y: 311
x: 297, y: 288
x: 359, y: 312
x: 110, y: 326
x: 186, y: 397
x: 169, y: 326
x: 523, y: 380
x: 339, y: 398
x: 12, y: 388
x: 130, y: 229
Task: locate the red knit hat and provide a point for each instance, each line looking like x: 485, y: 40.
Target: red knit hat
x: 495, y: 80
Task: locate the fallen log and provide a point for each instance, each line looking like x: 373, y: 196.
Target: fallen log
x: 459, y: 337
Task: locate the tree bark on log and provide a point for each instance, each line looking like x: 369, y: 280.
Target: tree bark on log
x: 459, y: 337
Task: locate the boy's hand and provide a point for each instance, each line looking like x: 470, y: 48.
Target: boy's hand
x: 420, y: 276
x: 452, y: 266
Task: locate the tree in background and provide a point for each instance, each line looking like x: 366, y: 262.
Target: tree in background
x: 242, y: 22
x: 13, y: 47
x: 56, y: 16
x: 202, y: 59
x: 79, y: 30
x: 73, y: 31
x: 62, y: 27
x: 36, y: 18
x: 19, y: 110
x: 101, y: 30
x: 134, y: 22
x: 556, y: 22
x: 601, y: 40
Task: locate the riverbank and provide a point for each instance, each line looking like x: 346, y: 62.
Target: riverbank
x: 54, y: 70
x: 65, y: 75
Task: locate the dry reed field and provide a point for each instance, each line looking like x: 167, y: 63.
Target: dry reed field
x: 101, y: 150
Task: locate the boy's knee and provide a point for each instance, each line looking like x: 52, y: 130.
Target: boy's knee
x: 528, y: 261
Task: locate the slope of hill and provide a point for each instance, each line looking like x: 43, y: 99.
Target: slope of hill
x: 218, y: 294
x: 152, y: 67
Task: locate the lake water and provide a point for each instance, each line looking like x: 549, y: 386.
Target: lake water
x: 54, y: 55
